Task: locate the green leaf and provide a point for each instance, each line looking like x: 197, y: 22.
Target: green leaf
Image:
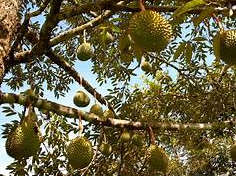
x: 138, y: 52
x: 124, y: 42
x: 188, y: 6
x: 216, y: 46
x: 188, y: 53
x: 199, y: 39
x: 204, y: 14
x: 179, y: 50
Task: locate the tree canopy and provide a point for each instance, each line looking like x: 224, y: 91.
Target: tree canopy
x: 178, y: 121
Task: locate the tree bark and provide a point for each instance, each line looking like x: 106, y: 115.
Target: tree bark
x: 9, y: 21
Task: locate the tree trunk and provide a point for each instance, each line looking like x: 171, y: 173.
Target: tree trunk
x: 9, y: 21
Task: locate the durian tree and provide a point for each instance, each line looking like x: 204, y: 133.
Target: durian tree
x: 179, y: 119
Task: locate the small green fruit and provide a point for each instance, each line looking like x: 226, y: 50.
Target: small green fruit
x: 105, y: 149
x: 137, y: 140
x: 81, y: 99
x: 157, y: 158
x: 24, y: 141
x: 146, y: 66
x: 79, y: 152
x: 233, y: 152
x: 125, y: 136
x: 96, y: 109
x: 84, y: 52
x: 109, y: 114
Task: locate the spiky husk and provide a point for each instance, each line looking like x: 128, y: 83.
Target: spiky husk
x: 79, y: 152
x: 96, y: 109
x: 150, y: 31
x: 24, y: 141
x: 228, y: 46
x: 157, y: 158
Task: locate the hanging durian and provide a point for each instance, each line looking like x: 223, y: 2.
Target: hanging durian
x: 81, y: 99
x: 157, y: 158
x: 228, y: 46
x: 25, y: 140
x: 79, y: 152
x: 84, y: 51
x: 150, y: 31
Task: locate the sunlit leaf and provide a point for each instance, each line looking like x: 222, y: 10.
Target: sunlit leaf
x: 179, y: 50
x: 203, y: 15
x: 188, y: 6
x: 188, y: 53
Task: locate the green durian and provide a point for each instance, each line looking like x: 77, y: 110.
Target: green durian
x: 105, y: 148
x: 125, y: 136
x: 228, y: 46
x: 79, y: 152
x: 96, y: 109
x: 150, y: 31
x: 81, y: 99
x: 157, y: 158
x: 84, y: 51
x: 25, y: 140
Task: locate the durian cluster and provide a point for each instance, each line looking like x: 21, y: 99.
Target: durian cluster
x: 81, y: 147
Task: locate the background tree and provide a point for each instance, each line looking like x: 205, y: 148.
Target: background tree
x: 186, y: 106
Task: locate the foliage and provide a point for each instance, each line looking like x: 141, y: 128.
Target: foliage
x: 184, y: 84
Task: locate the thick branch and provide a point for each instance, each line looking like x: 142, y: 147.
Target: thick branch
x: 8, y: 25
x: 117, y: 123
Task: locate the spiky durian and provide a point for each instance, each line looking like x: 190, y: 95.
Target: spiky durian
x: 150, y: 31
x: 79, y: 152
x: 228, y: 46
x: 81, y: 99
x: 96, y: 109
x: 109, y: 114
x: 84, y: 51
x: 24, y: 141
x: 125, y: 136
x: 157, y: 158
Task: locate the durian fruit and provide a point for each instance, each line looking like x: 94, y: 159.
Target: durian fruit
x: 105, y: 148
x: 79, y: 152
x: 150, y: 31
x: 146, y: 66
x: 84, y: 51
x: 81, y: 99
x: 233, y: 152
x: 157, y: 158
x: 228, y: 46
x: 96, y: 109
x: 25, y: 140
x: 125, y: 136
x: 137, y: 140
x: 109, y: 114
